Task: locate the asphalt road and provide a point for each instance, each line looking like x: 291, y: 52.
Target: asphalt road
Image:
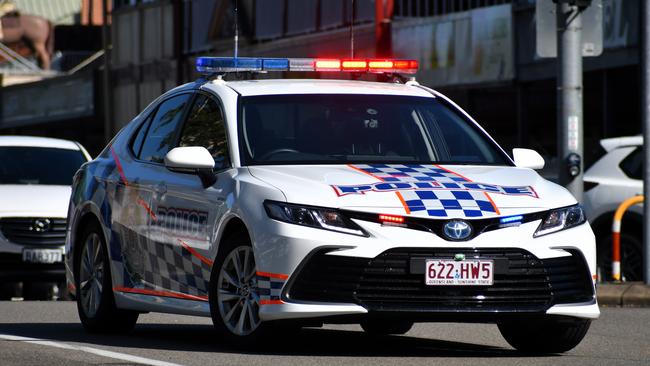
x: 38, y: 333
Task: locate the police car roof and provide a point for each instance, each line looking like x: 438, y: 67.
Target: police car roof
x: 323, y: 86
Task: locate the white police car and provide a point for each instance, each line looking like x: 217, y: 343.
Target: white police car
x: 262, y: 201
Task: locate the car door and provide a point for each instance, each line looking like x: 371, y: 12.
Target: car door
x: 141, y: 246
x: 188, y: 211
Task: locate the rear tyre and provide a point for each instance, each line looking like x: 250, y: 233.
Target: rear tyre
x: 234, y: 295
x: 547, y: 336
x: 386, y: 327
x: 95, y: 299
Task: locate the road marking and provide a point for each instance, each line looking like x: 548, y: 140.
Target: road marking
x: 95, y: 351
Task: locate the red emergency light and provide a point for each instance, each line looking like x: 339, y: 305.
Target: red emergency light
x: 391, y: 219
x: 210, y: 65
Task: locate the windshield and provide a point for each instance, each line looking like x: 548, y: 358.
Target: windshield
x: 342, y: 129
x: 35, y: 165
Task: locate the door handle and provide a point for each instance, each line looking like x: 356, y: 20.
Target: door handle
x: 160, y: 188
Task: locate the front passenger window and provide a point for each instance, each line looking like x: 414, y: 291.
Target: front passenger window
x: 205, y: 127
x: 162, y: 132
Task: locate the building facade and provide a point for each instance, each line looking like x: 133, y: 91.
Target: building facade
x: 479, y: 52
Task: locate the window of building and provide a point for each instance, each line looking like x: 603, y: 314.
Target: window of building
x: 632, y: 165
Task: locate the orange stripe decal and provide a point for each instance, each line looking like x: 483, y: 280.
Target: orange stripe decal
x: 452, y: 172
x: 272, y: 275
x: 119, y: 167
x: 401, y: 199
x: 496, y: 209
x: 364, y: 172
x: 195, y: 253
x: 144, y: 204
x: 271, y: 302
x: 176, y: 295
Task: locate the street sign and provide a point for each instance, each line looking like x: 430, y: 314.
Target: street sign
x: 546, y: 27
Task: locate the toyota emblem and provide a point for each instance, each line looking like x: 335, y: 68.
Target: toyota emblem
x: 457, y: 230
x: 41, y: 225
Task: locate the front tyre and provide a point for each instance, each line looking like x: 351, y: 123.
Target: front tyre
x: 547, y: 336
x: 95, y: 300
x: 234, y: 295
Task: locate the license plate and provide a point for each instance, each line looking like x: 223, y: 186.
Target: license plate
x: 42, y: 255
x: 442, y: 272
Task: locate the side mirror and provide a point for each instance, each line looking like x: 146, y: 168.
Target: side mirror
x: 527, y: 158
x: 192, y: 159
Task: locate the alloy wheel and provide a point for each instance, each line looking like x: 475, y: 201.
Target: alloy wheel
x: 237, y: 292
x: 91, y: 275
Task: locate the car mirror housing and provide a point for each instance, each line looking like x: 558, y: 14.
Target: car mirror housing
x: 527, y: 158
x: 192, y: 159
x: 189, y: 159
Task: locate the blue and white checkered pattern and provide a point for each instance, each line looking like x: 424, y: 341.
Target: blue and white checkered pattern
x: 435, y: 203
x: 410, y: 173
x: 269, y: 288
x: 443, y: 203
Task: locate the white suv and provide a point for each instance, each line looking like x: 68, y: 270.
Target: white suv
x: 35, y: 178
x: 615, y: 177
x: 308, y: 201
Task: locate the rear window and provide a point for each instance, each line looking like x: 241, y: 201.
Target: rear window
x: 34, y: 165
x: 632, y: 165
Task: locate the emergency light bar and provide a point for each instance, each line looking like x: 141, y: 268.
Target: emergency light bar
x: 212, y: 65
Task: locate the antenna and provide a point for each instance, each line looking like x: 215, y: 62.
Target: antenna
x: 352, y: 16
x: 236, y: 31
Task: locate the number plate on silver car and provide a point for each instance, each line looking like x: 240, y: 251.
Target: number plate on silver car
x: 42, y: 255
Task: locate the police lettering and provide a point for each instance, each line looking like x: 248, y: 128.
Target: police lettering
x: 412, y: 186
x: 184, y: 222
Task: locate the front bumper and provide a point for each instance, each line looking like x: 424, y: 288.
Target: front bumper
x: 534, y: 276
x: 18, y: 234
x: 13, y: 269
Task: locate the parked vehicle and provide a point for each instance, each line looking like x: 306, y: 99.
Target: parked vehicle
x: 615, y: 177
x: 35, y: 179
x: 269, y: 202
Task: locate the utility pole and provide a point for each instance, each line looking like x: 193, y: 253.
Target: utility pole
x: 569, y: 95
x: 645, y: 118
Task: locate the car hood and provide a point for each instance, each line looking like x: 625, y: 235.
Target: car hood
x: 461, y: 191
x: 34, y: 200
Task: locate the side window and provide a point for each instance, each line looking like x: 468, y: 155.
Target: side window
x: 136, y: 145
x: 162, y: 133
x: 205, y: 127
x: 632, y: 164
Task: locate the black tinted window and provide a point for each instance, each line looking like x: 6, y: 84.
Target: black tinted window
x: 136, y: 146
x: 162, y: 133
x: 205, y: 127
x: 33, y: 165
x: 632, y: 164
x: 330, y: 129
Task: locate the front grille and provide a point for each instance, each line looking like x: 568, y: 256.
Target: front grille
x: 26, y: 231
x: 521, y: 281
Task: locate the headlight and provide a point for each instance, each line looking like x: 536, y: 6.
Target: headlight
x: 318, y: 217
x: 560, y: 219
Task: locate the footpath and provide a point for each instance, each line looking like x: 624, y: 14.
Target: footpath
x: 626, y: 294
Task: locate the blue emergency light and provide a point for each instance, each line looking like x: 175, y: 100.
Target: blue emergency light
x: 214, y: 65
x: 511, y: 219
